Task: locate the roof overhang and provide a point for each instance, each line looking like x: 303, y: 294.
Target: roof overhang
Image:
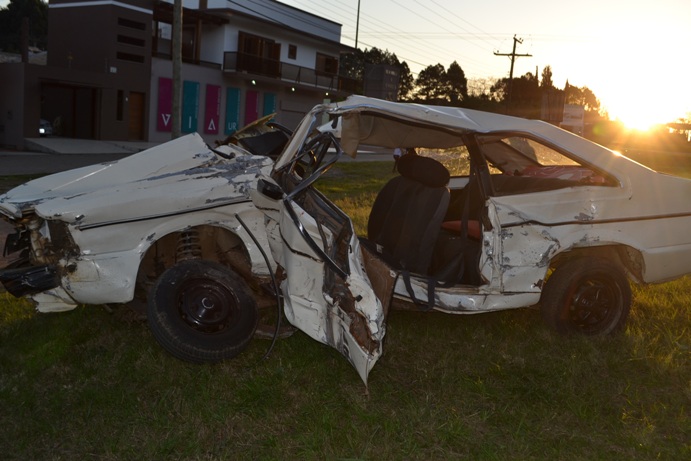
x: 164, y: 12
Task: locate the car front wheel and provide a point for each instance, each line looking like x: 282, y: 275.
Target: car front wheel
x: 589, y: 296
x: 201, y: 311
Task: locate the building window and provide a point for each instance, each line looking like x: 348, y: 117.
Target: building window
x: 129, y: 57
x: 258, y: 55
x: 292, y: 51
x: 131, y: 24
x: 127, y: 40
x: 120, y: 106
x: 326, y: 64
x: 162, y: 39
x: 189, y: 45
x: 255, y: 45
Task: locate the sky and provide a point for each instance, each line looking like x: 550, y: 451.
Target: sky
x: 634, y: 55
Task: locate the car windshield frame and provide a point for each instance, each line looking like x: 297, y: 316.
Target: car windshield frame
x: 321, y: 143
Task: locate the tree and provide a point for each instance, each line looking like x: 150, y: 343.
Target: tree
x: 546, y: 82
x: 585, y: 97
x: 525, y: 100
x: 432, y: 85
x: 352, y: 65
x: 376, y: 56
x: 406, y: 83
x: 458, y: 84
x: 11, y: 18
x: 582, y: 96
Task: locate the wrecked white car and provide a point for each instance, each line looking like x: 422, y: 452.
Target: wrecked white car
x: 172, y: 224
x: 489, y: 212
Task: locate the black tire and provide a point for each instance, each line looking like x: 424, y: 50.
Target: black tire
x: 589, y: 296
x: 202, y: 312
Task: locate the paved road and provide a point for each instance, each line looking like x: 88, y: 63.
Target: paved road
x: 32, y: 163
x: 29, y: 163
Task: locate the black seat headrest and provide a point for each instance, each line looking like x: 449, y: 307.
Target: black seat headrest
x: 424, y: 170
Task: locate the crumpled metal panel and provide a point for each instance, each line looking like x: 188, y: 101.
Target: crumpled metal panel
x: 95, y: 223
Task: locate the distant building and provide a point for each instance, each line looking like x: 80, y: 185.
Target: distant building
x: 109, y: 69
x: 382, y: 81
x: 574, y: 118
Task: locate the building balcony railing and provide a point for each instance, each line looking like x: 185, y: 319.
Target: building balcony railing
x: 186, y: 60
x: 257, y: 65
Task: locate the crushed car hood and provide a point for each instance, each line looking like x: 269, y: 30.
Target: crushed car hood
x: 178, y: 176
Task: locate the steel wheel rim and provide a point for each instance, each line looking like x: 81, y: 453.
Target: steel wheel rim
x: 594, y: 303
x: 207, y: 307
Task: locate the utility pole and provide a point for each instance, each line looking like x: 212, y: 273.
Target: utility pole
x: 177, y: 74
x: 513, y: 56
x: 357, y: 23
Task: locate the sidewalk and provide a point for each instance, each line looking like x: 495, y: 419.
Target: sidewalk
x: 53, y: 154
x: 56, y: 145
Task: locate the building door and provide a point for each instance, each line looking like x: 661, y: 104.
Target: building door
x: 136, y: 116
x: 72, y: 109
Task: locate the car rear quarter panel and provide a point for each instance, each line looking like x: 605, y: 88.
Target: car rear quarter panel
x: 649, y: 213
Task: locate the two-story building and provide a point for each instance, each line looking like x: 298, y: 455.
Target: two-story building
x: 109, y: 69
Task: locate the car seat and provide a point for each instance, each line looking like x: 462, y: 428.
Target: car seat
x: 407, y: 214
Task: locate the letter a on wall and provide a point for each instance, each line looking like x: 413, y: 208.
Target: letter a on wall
x: 212, y: 109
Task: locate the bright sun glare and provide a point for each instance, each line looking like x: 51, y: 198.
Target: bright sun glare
x: 635, y: 106
x: 637, y: 76
x: 641, y: 94
x: 640, y: 115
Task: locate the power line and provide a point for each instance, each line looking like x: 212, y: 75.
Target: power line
x: 406, y: 42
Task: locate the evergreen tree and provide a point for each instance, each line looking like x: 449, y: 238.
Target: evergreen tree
x: 432, y: 85
x: 458, y: 84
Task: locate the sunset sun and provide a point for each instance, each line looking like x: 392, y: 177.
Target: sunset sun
x: 637, y: 111
x: 633, y: 75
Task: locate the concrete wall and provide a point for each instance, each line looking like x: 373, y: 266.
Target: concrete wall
x: 20, y: 103
x: 11, y: 107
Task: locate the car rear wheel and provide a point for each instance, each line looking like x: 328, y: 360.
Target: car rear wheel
x: 590, y: 296
x: 201, y: 311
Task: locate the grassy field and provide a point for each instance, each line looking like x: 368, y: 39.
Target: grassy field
x: 93, y: 384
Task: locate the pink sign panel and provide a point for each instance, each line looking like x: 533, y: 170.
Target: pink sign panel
x: 251, y: 106
x: 212, y: 111
x: 165, y: 104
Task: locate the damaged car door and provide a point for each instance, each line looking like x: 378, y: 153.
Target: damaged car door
x: 327, y: 291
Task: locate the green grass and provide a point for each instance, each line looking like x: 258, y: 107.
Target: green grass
x: 354, y: 186
x: 94, y: 385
